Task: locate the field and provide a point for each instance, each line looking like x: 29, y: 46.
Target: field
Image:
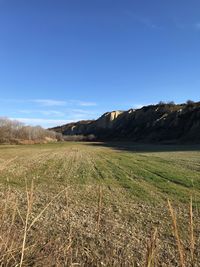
x: 99, y: 204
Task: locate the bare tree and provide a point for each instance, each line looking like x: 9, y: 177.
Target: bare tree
x: 12, y: 130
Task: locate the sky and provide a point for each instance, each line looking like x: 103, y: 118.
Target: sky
x: 69, y: 60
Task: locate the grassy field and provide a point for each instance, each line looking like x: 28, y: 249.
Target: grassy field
x: 95, y: 204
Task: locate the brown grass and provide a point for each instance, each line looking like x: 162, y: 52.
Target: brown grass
x: 151, y: 249
x: 27, y: 238
x: 177, y: 236
x: 99, y: 207
x: 29, y: 195
x: 191, y: 230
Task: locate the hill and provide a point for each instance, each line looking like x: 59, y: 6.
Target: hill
x: 154, y: 123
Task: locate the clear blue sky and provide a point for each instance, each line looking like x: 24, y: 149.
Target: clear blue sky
x: 63, y: 60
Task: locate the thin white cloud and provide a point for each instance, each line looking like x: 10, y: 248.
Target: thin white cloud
x: 12, y: 100
x: 180, y: 26
x: 50, y: 112
x: 82, y: 111
x: 52, y: 102
x: 197, y: 26
x: 82, y: 103
x: 87, y: 104
x: 42, y: 112
x: 188, y: 26
x: 145, y: 21
x: 49, y: 102
x: 67, y: 113
x: 42, y: 122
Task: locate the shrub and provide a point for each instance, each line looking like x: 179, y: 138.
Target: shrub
x: 13, y: 131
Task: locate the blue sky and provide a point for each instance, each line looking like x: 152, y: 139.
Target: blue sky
x: 66, y: 60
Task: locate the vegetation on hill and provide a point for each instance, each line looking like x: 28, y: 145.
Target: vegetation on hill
x: 164, y: 122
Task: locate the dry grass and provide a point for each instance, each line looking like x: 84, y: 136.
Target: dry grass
x: 63, y: 233
x: 91, y: 219
x: 176, y: 234
x: 99, y: 207
x: 191, y: 230
x: 151, y: 250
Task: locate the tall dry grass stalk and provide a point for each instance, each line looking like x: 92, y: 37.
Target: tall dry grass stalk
x: 6, y: 244
x: 16, y: 249
x: 99, y: 207
x: 191, y: 227
x: 176, y: 234
x: 27, y: 225
x: 45, y: 208
x: 29, y: 195
x: 151, y: 249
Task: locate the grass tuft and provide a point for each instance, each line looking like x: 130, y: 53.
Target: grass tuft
x: 177, y: 236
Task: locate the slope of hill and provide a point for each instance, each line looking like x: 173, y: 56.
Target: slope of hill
x: 153, y: 123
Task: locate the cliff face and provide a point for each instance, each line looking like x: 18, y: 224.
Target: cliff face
x: 154, y: 123
x: 75, y: 128
x: 108, y: 120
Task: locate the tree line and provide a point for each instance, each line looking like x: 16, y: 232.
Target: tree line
x: 12, y: 131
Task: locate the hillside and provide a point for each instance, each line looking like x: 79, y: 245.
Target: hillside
x: 153, y: 123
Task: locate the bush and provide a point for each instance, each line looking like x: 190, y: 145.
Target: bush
x: 79, y: 138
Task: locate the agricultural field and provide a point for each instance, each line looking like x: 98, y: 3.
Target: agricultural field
x: 99, y: 204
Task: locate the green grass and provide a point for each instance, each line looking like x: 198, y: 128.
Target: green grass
x: 147, y: 173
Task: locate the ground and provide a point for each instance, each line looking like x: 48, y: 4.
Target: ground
x: 98, y: 204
